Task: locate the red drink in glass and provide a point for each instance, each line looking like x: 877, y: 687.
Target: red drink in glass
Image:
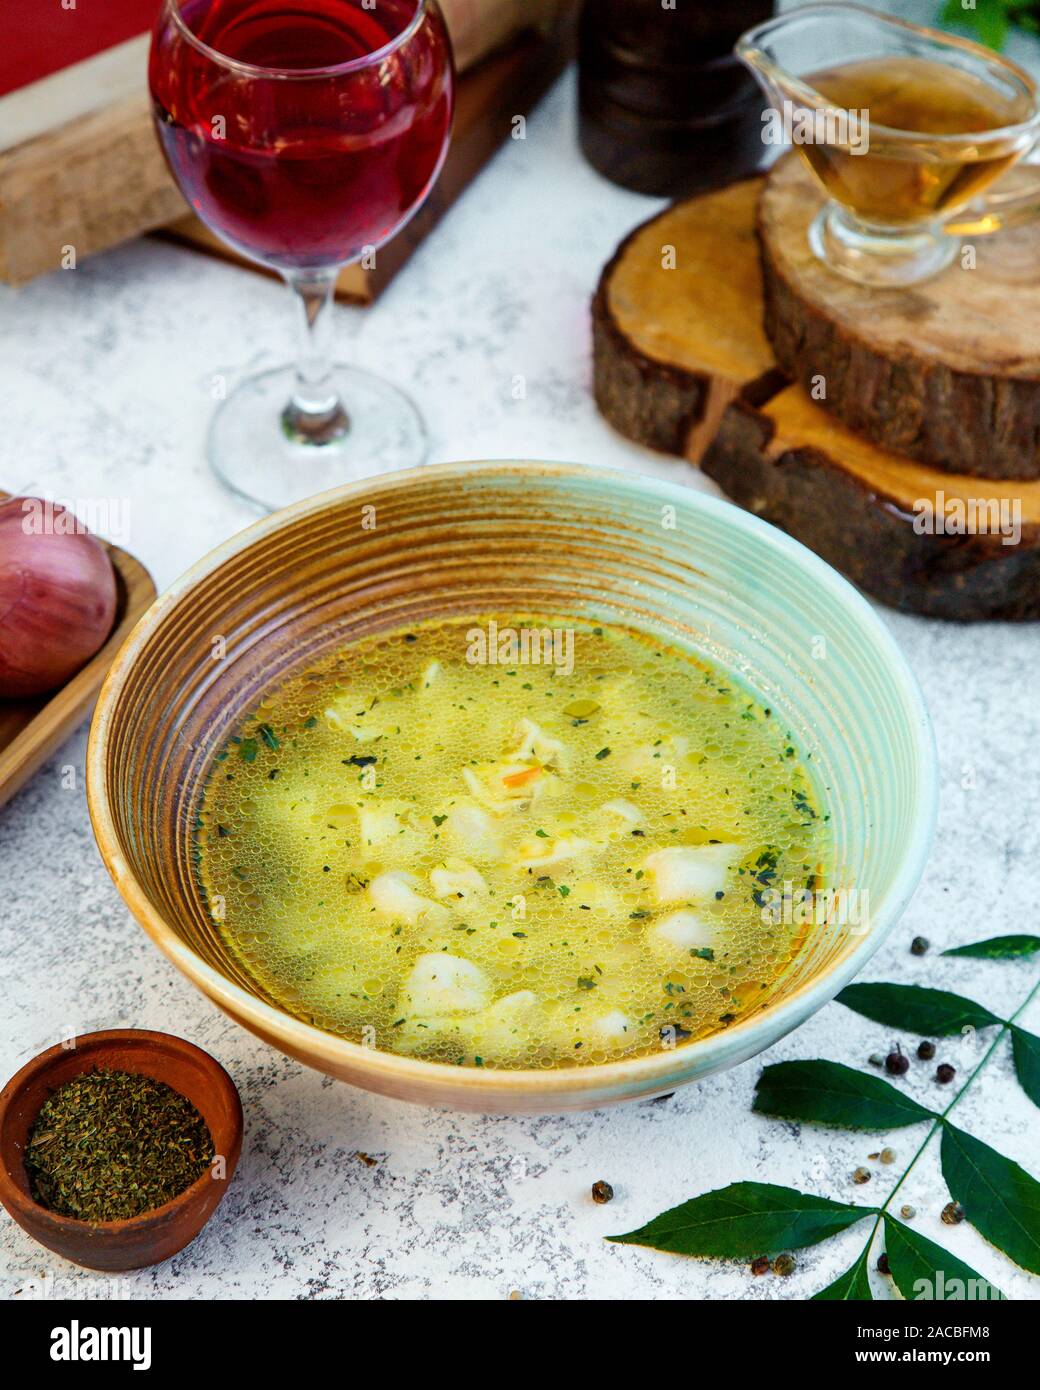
x: 302, y: 173
x: 305, y: 133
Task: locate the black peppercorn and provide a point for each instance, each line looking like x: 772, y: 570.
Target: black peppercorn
x: 919, y: 945
x: 926, y: 1051
x: 882, y: 1264
x: 897, y: 1063
x: 602, y: 1192
x: 944, y: 1073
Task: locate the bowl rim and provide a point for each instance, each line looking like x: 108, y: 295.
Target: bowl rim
x: 15, y: 1198
x: 655, y: 1070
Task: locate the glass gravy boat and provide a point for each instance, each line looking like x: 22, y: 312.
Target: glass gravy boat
x: 906, y: 128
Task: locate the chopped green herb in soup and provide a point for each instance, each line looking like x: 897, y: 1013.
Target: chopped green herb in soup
x: 471, y: 844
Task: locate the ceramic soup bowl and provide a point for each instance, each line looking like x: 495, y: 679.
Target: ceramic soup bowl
x: 474, y: 538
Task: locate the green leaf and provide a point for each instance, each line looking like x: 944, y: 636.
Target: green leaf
x: 1000, y: 1199
x: 999, y: 948
x: 915, y: 1261
x: 832, y: 1094
x: 930, y: 1012
x: 987, y: 21
x: 1026, y: 1049
x: 744, y: 1220
x: 852, y: 1286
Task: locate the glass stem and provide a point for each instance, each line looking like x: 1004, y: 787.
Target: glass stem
x: 315, y: 414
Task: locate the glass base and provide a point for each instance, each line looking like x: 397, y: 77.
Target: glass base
x: 255, y: 450
x: 875, y: 255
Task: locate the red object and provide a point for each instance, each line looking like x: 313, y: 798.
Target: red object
x: 307, y: 172
x: 57, y: 596
x: 41, y: 37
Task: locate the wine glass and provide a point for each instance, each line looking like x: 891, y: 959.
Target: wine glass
x: 305, y: 136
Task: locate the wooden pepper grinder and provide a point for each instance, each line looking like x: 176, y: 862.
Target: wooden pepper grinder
x: 664, y: 106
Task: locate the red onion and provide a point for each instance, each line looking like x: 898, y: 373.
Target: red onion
x: 57, y: 596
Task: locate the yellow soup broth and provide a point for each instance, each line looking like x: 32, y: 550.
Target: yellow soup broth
x: 512, y: 842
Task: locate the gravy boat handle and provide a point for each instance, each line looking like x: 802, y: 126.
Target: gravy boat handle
x: 1012, y: 201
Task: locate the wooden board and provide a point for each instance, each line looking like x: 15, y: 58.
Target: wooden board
x: 91, y: 181
x: 947, y: 371
x: 81, y: 170
x: 682, y: 364
x: 30, y: 730
x: 489, y: 98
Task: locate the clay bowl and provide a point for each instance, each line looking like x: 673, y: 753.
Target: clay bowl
x: 467, y: 539
x: 154, y: 1235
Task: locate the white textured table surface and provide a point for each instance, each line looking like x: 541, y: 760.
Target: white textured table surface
x: 105, y: 377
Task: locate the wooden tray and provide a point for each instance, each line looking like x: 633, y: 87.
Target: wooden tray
x: 30, y: 730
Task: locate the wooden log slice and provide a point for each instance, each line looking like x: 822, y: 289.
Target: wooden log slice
x: 863, y: 510
x: 677, y: 322
x: 681, y: 364
x: 947, y: 372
